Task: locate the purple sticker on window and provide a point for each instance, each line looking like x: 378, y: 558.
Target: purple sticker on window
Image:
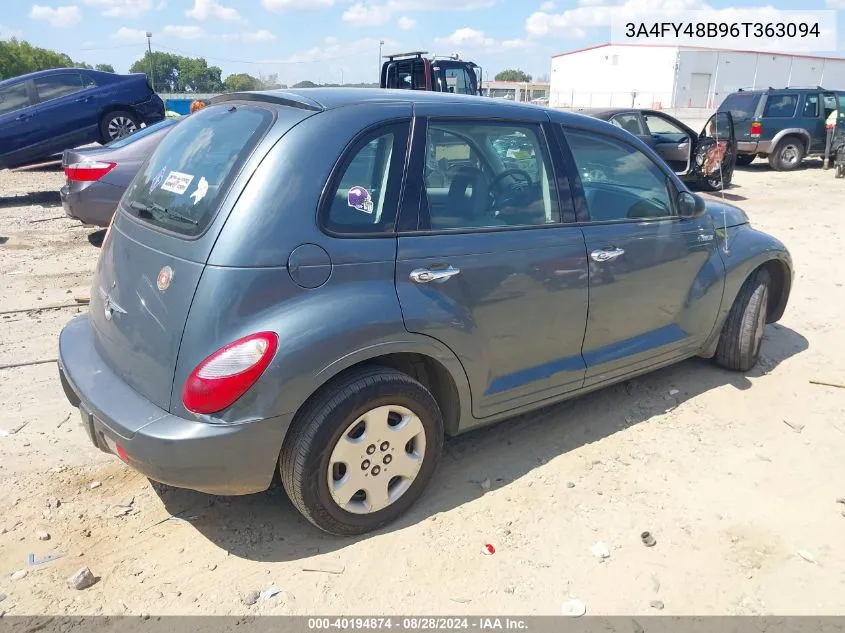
x: 359, y: 198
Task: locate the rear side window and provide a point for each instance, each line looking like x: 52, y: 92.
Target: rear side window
x: 780, y: 106
x: 741, y: 105
x: 181, y: 185
x: 55, y: 86
x: 365, y: 196
x: 13, y: 98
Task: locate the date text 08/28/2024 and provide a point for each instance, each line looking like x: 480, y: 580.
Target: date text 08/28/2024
x: 417, y: 623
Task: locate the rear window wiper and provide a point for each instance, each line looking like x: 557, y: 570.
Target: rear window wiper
x: 154, y: 207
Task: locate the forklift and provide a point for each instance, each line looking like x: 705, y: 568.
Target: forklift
x: 412, y: 71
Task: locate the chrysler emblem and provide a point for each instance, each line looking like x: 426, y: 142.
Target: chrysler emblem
x: 109, y: 305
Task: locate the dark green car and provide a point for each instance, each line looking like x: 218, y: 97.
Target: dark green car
x: 784, y: 125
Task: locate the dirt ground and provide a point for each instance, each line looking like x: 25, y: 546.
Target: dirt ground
x: 736, y: 476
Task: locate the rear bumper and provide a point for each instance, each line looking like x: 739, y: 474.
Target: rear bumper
x: 151, y: 111
x: 213, y: 458
x: 90, y: 203
x: 754, y: 147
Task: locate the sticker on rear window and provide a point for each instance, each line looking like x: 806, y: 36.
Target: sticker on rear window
x: 360, y: 199
x: 177, y: 182
x: 201, y: 190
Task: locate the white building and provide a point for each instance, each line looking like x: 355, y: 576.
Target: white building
x: 655, y: 76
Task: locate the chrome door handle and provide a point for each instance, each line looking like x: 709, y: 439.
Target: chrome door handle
x: 605, y: 255
x: 425, y: 275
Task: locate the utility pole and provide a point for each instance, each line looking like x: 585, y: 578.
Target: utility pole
x: 380, y: 44
x: 150, y: 50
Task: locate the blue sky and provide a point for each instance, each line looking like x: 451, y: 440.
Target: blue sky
x: 330, y: 40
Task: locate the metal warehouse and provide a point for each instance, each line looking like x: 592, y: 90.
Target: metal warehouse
x: 654, y: 76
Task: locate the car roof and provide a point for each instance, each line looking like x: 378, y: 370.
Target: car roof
x: 51, y: 71
x: 603, y: 113
x: 338, y: 97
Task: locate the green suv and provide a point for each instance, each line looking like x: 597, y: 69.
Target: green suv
x: 783, y: 124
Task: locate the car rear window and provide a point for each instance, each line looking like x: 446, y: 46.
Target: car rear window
x: 180, y: 186
x: 741, y: 105
x: 143, y: 132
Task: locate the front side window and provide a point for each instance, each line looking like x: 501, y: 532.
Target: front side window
x: 366, y: 196
x: 13, y: 98
x: 485, y: 174
x: 780, y: 106
x: 56, y: 86
x: 629, y: 122
x: 180, y: 186
x: 660, y: 125
x: 619, y: 181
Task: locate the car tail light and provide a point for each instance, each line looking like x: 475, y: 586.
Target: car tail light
x: 88, y: 170
x: 228, y: 373
x: 756, y: 128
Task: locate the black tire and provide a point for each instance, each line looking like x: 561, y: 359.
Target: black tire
x: 744, y: 160
x: 742, y: 333
x: 117, y: 124
x: 788, y: 154
x: 305, y: 456
x: 720, y: 182
x: 840, y: 170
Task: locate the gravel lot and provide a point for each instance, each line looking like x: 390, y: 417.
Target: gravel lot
x: 736, y: 476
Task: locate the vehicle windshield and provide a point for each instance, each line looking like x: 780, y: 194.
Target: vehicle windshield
x: 143, y: 132
x: 181, y: 184
x: 741, y: 105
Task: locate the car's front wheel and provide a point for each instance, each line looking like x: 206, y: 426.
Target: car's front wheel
x: 742, y: 333
x: 118, y: 124
x: 362, y: 451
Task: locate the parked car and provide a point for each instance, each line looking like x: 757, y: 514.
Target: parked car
x: 46, y: 112
x: 332, y: 314
x: 784, y: 125
x: 704, y: 159
x: 98, y: 176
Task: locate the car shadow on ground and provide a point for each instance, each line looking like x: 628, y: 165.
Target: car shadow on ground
x: 266, y: 527
x: 44, y: 198
x: 3, y: 240
x: 51, y: 166
x: 96, y: 238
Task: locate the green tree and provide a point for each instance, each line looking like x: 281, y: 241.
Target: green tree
x: 304, y: 84
x: 242, y: 81
x: 106, y: 68
x: 18, y: 57
x: 513, y: 74
x: 176, y: 73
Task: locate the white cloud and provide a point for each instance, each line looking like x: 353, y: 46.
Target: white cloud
x: 60, y: 17
x: 467, y: 37
x: 123, y: 8
x: 836, y: 4
x: 261, y: 35
x: 547, y: 7
x: 331, y: 40
x: 205, y: 9
x: 130, y: 35
x: 294, y: 5
x: 7, y: 32
x: 469, y: 40
x: 368, y: 13
x: 185, y: 32
x: 336, y: 50
x: 360, y: 14
x: 405, y: 23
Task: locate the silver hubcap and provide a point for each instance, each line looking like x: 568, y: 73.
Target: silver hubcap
x: 790, y: 154
x: 376, y: 459
x: 121, y: 126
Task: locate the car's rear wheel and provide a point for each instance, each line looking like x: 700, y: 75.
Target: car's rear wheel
x: 362, y: 450
x: 744, y: 160
x: 788, y: 154
x: 118, y: 124
x: 742, y: 333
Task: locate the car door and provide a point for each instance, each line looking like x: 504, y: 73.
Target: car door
x: 715, y: 148
x: 633, y: 122
x: 670, y: 140
x: 829, y: 103
x: 810, y: 118
x: 18, y: 123
x: 484, y: 262
x: 66, y: 108
x: 655, y: 279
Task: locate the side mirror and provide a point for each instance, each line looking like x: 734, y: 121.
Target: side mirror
x: 690, y: 205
